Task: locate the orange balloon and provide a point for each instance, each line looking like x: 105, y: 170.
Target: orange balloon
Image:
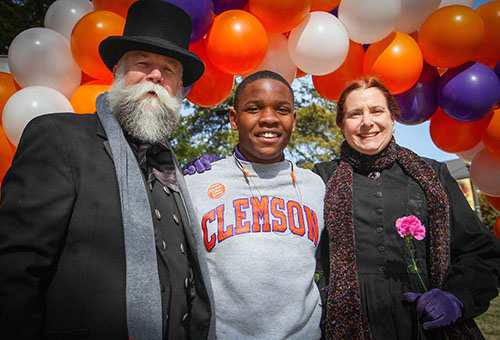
x: 279, y: 16
x: 6, y: 154
x: 451, y: 36
x: 396, y: 60
x: 300, y: 73
x: 324, y: 5
x: 87, y: 34
x: 7, y: 89
x: 489, y: 52
x: 491, y: 136
x: 497, y: 227
x: 119, y: 7
x: 453, y: 136
x: 214, y: 86
x: 83, y: 100
x: 236, y: 42
x: 330, y: 86
x: 494, y: 202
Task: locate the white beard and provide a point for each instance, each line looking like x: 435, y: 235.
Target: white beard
x: 149, y: 119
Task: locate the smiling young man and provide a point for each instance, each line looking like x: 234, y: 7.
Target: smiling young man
x: 261, y: 218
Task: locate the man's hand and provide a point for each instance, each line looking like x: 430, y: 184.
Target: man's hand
x: 436, y: 308
x: 200, y: 165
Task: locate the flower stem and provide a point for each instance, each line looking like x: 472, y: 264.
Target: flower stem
x: 415, y: 264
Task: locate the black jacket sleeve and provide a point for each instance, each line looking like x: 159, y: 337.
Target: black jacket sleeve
x: 37, y: 201
x: 473, y: 276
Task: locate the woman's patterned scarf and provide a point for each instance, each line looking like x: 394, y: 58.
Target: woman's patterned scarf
x: 344, y: 317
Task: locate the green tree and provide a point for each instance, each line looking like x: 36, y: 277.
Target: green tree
x: 19, y: 15
x: 488, y: 214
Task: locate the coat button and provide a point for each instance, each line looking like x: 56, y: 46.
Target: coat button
x: 157, y: 213
x: 186, y: 282
x: 381, y: 269
x: 165, y: 188
x: 182, y: 248
x: 184, y: 317
x: 164, y: 245
x: 379, y: 230
x: 378, y: 194
x: 176, y: 219
x: 374, y: 175
x: 150, y: 185
x: 379, y: 211
x: 381, y: 248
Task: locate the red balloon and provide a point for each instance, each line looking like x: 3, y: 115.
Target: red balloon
x: 451, y: 36
x: 494, y: 202
x: 87, y: 34
x: 236, y: 42
x: 119, y: 7
x: 324, y: 5
x: 453, y: 136
x: 491, y: 136
x: 7, y: 89
x: 489, y: 52
x: 396, y: 60
x: 83, y: 100
x: 279, y: 16
x: 330, y: 86
x: 214, y: 86
x: 497, y: 227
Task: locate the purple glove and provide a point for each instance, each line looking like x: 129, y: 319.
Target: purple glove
x: 436, y: 308
x: 200, y: 165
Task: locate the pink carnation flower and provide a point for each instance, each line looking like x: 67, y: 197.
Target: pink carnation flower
x: 410, y: 224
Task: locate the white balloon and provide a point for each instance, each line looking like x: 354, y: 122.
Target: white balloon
x: 414, y: 13
x: 469, y: 155
x: 28, y: 103
x: 63, y: 15
x: 367, y: 22
x: 485, y: 172
x: 41, y: 56
x: 277, y: 58
x: 468, y: 3
x: 319, y: 44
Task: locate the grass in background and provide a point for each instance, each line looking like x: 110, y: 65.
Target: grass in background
x: 489, y: 322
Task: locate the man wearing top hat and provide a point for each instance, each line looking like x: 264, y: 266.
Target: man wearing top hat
x: 95, y: 219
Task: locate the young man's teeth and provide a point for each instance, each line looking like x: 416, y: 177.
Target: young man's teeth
x: 269, y: 134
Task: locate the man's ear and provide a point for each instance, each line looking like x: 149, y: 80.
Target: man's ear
x: 233, y: 117
x: 115, y: 68
x: 294, y: 120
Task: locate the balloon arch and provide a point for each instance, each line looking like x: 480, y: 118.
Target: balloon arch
x: 440, y: 59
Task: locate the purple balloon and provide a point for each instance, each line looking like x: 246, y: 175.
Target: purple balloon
x: 468, y: 92
x: 225, y: 5
x: 497, y: 69
x: 201, y: 13
x: 419, y: 102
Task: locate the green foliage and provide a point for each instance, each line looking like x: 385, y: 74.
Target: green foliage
x: 488, y: 214
x: 316, y: 137
x: 19, y: 15
x: 205, y: 131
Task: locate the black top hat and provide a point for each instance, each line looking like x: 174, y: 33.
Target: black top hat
x: 159, y: 27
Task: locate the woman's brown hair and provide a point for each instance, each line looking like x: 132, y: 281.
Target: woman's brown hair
x: 366, y: 83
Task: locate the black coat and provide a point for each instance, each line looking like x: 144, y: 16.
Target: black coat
x: 474, y: 273
x: 62, y: 256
